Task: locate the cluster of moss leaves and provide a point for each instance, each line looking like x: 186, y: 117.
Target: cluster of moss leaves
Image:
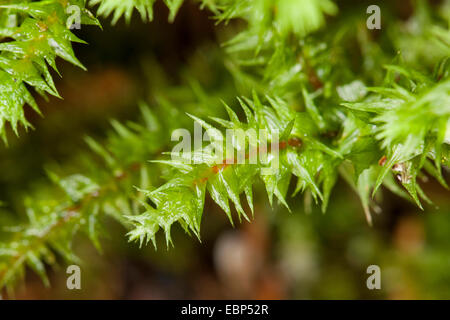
x: 347, y: 103
x: 32, y: 35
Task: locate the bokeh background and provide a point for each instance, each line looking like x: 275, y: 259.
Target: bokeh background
x: 280, y: 255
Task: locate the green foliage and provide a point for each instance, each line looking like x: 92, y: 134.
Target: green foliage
x: 32, y: 35
x: 382, y: 134
x: 84, y: 200
x: 126, y: 8
x: 345, y: 103
x: 104, y: 188
x: 181, y: 199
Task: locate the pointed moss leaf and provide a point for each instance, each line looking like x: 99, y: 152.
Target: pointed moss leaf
x: 231, y: 182
x: 302, y: 173
x: 391, y: 160
x: 218, y: 192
